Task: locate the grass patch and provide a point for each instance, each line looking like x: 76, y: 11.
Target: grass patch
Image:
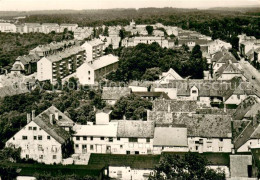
x: 134, y: 161
x: 54, y: 170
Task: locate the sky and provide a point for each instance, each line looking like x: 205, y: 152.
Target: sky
x: 27, y: 5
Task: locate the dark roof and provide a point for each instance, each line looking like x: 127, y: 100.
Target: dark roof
x: 55, y: 130
x: 135, y: 128
x: 206, y: 125
x: 249, y: 107
x: 26, y: 59
x: 152, y: 94
x: 174, y: 105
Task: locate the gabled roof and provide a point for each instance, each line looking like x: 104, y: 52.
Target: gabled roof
x: 135, y: 128
x: 227, y: 68
x: 115, y: 93
x: 162, y: 95
x: 206, y: 125
x: 17, y: 67
x: 226, y: 57
x: 171, y: 72
x: 174, y: 105
x: 247, y: 108
x: 170, y: 136
x: 55, y: 130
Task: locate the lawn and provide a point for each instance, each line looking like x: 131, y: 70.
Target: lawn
x: 134, y: 161
x: 54, y: 170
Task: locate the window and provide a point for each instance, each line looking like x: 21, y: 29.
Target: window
x: 34, y: 128
x: 118, y: 138
x: 133, y: 139
x: 89, y: 78
x: 89, y: 72
x: 102, y: 138
x: 220, y: 148
x: 91, y: 138
x: 13, y: 138
x: 84, y: 146
x: 136, y: 152
x: 127, y: 152
x: 54, y: 157
x: 48, y: 137
x: 39, y: 137
x: 77, y: 138
x: 27, y: 156
x: 91, y: 147
x: 41, y: 157
x: 147, y: 140
x: 221, y: 139
x: 30, y: 127
x: 121, y: 146
x: 194, y: 91
x: 35, y: 137
x: 24, y: 137
x: 76, y: 145
x: 238, y: 96
x: 84, y: 138
x: 110, y: 139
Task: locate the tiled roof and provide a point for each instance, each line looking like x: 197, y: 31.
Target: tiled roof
x: 247, y: 108
x: 227, y: 68
x: 115, y: 93
x: 160, y: 117
x: 136, y: 129
x: 56, y: 131
x: 174, y: 105
x: 206, y: 125
x: 170, y: 136
x: 26, y: 59
x: 162, y: 95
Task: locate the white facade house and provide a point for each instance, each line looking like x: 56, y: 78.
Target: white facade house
x: 128, y: 173
x: 7, y: 27
x: 91, y: 72
x: 216, y: 46
x: 44, y: 138
x: 94, y: 49
x: 168, y: 76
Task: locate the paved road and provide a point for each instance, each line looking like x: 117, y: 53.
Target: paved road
x: 249, y: 72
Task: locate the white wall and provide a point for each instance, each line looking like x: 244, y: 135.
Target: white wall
x: 44, y: 70
x: 210, y: 145
x: 171, y: 92
x: 85, y: 74
x: 36, y: 148
x: 250, y: 143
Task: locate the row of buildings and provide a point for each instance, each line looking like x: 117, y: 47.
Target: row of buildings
x: 36, y: 27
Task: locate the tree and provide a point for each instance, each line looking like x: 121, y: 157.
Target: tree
x: 191, y: 166
x: 149, y: 29
x: 8, y: 173
x: 131, y: 107
x: 152, y: 74
x: 105, y: 33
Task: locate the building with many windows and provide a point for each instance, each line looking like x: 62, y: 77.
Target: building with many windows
x: 61, y: 64
x: 94, y: 49
x: 45, y: 138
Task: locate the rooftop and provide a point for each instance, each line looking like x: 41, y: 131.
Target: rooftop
x: 170, y: 136
x: 135, y: 128
x: 107, y: 130
x: 55, y: 130
x: 104, y: 61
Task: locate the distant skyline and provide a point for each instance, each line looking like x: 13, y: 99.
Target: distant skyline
x: 28, y: 5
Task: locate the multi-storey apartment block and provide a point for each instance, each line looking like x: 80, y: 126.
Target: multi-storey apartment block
x: 94, y: 49
x: 61, y: 64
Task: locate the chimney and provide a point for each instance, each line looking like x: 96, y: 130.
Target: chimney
x: 56, y: 115
x: 51, y: 119
x: 33, y: 114
x: 28, y: 118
